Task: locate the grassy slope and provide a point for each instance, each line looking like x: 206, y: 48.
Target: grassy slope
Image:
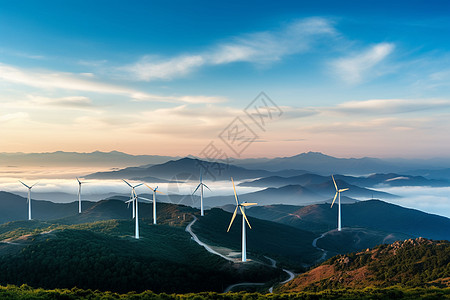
x: 412, y: 263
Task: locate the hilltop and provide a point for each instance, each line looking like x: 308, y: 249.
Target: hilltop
x: 411, y: 263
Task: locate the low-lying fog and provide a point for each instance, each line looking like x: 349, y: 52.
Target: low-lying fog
x: 60, y: 185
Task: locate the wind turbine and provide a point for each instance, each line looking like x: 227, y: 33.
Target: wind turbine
x: 135, y: 201
x: 154, y: 201
x: 29, y: 198
x: 133, y: 193
x: 244, y: 219
x: 201, y: 185
x: 79, y: 195
x: 338, y: 193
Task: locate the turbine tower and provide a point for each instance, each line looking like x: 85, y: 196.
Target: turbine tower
x: 79, y: 195
x: 244, y: 219
x: 133, y: 193
x: 338, y: 193
x: 201, y: 185
x: 29, y: 198
x: 154, y: 201
x: 135, y: 201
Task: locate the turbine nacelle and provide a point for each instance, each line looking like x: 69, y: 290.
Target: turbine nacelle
x: 80, y: 182
x: 155, y: 190
x: 338, y: 191
x: 27, y: 186
x: 241, y: 207
x: 133, y: 187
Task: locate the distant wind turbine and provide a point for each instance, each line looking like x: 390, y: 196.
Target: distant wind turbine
x: 79, y: 195
x: 154, y: 201
x: 244, y: 219
x: 29, y: 198
x: 133, y: 193
x: 338, y: 193
x: 201, y: 185
x: 135, y: 201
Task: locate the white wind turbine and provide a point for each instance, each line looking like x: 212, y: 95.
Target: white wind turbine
x: 154, y: 201
x: 201, y: 185
x: 244, y: 219
x: 29, y: 198
x: 338, y: 193
x: 79, y: 195
x: 135, y: 201
x: 133, y: 193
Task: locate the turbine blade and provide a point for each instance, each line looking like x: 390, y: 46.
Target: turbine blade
x: 343, y: 190
x: 245, y: 217
x: 148, y: 186
x: 206, y: 187
x: 335, y: 185
x: 248, y: 204
x: 232, y: 218
x: 159, y: 192
x: 235, y: 195
x: 137, y: 185
x: 127, y: 183
x: 78, y: 180
x: 335, y: 195
x: 145, y: 199
x: 34, y: 184
x: 24, y: 184
x: 196, y: 188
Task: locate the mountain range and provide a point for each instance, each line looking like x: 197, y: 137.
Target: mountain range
x: 188, y: 169
x: 371, y: 214
x: 322, y: 164
x: 374, y: 180
x: 313, y: 162
x: 61, y: 248
x: 67, y: 159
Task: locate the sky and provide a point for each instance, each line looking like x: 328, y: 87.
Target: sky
x: 346, y: 78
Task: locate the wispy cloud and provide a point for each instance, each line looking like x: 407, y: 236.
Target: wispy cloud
x: 357, y: 66
x: 69, y: 102
x: 13, y: 117
x: 258, y: 48
x: 80, y: 82
x: 391, y: 106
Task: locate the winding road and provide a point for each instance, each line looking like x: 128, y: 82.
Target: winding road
x: 197, y: 240
x: 231, y: 287
x: 314, y: 244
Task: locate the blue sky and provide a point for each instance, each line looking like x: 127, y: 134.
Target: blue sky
x: 353, y: 78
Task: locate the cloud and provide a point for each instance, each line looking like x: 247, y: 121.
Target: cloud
x: 391, y: 106
x: 70, y: 102
x: 149, y: 68
x: 18, y: 116
x: 258, y: 48
x: 76, y: 82
x: 355, y: 67
x: 296, y: 112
